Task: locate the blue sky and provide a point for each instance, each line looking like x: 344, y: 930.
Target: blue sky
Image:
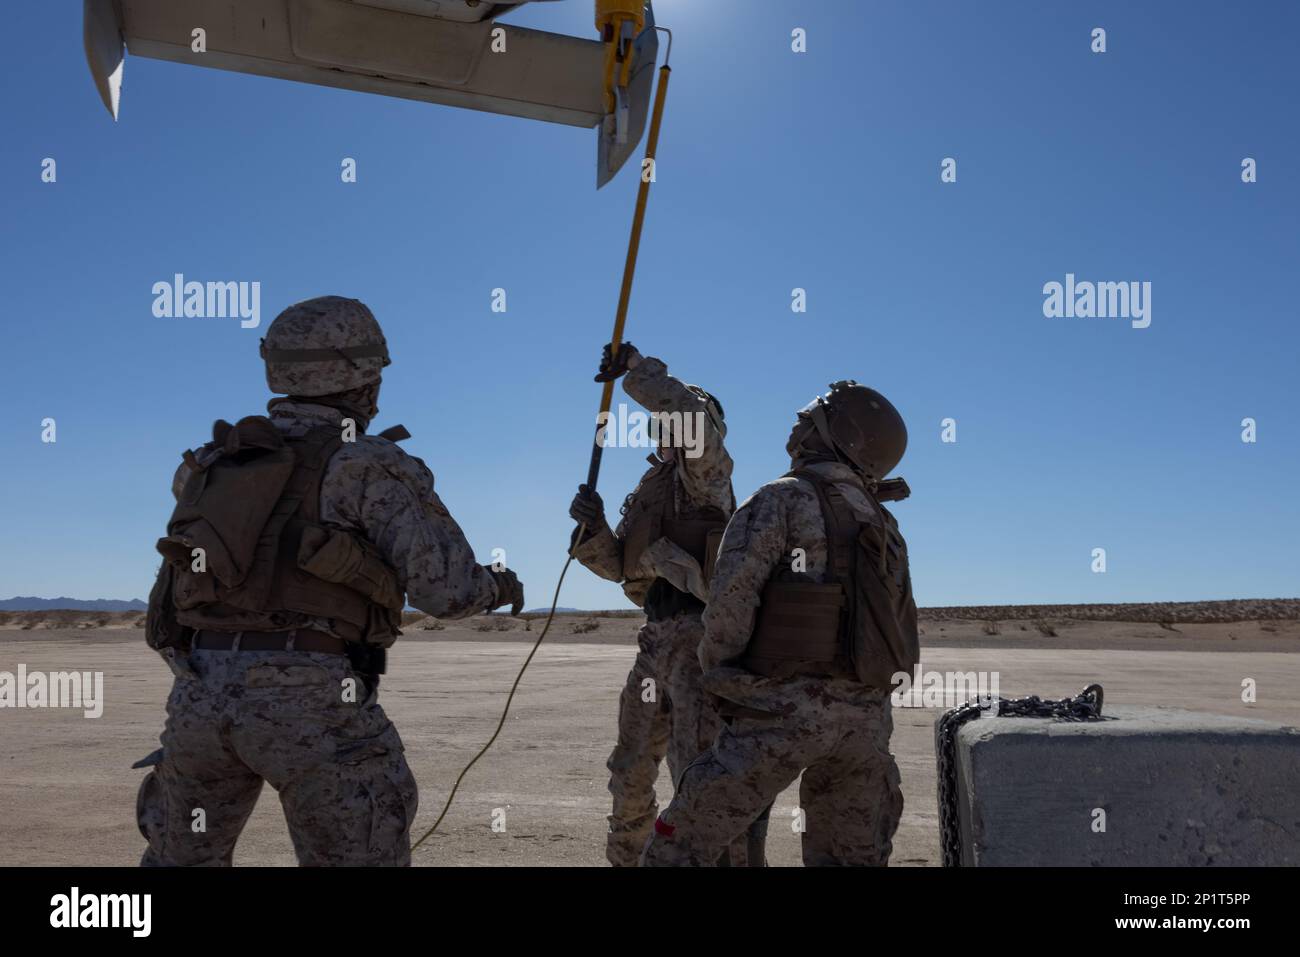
x: 777, y: 170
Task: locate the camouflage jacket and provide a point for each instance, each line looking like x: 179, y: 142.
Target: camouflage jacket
x: 373, y: 488
x: 700, y: 482
x: 779, y: 524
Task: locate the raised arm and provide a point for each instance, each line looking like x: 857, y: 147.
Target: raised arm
x: 703, y: 463
x: 397, y: 509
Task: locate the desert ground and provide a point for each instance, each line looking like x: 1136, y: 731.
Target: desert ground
x: 67, y: 791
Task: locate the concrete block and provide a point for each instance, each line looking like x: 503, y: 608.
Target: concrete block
x: 1177, y: 788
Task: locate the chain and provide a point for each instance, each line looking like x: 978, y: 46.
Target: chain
x: 1085, y: 706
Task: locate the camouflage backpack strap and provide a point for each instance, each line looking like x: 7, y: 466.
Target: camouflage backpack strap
x: 841, y: 525
x: 841, y: 542
x: 313, y: 452
x: 333, y: 572
x: 879, y: 632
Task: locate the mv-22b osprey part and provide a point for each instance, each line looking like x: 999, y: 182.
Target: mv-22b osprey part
x: 451, y: 52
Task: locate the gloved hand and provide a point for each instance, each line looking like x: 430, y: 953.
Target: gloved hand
x: 611, y: 367
x: 588, y: 509
x: 510, y: 590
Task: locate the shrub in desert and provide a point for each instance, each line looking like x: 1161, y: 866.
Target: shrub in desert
x: 1045, y: 628
x: 432, y: 624
x: 583, y: 627
x: 501, y: 623
x: 991, y: 628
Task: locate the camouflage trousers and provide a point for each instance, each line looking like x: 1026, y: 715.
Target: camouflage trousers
x: 850, y: 800
x: 301, y: 721
x: 662, y: 711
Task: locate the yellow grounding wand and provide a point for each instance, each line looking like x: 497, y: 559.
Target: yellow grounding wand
x: 606, y: 398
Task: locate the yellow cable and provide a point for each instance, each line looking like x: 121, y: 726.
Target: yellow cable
x: 555, y: 599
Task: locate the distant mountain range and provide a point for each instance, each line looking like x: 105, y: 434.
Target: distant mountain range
x: 24, y: 603
x: 71, y: 604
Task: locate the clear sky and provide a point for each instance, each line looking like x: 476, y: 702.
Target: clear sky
x: 777, y: 170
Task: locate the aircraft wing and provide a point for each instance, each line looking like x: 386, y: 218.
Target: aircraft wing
x: 449, y: 52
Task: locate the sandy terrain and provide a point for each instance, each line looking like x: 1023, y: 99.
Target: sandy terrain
x: 67, y: 792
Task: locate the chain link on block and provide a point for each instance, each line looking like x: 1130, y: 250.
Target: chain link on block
x: 1085, y: 706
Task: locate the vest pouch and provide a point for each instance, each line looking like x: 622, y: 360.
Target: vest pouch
x: 639, y: 532
x: 161, y: 629
x: 192, y: 589
x: 225, y: 510
x: 699, y: 538
x: 797, y: 631
x: 384, y: 625
x: 178, y: 550
x: 346, y: 559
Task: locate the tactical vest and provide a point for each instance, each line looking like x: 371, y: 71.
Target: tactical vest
x: 267, y: 562
x: 654, y: 511
x: 860, y: 623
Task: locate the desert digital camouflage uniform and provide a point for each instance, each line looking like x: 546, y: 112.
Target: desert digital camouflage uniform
x: 306, y: 722
x: 662, y: 710
x: 253, y: 716
x: 834, y: 730
x: 373, y: 487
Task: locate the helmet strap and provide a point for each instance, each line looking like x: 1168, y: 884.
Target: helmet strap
x: 818, y: 415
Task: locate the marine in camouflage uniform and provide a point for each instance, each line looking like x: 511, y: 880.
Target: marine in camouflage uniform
x: 658, y: 552
x: 302, y: 713
x: 825, y: 723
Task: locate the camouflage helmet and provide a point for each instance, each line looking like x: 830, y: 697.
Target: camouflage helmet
x: 861, y: 426
x: 322, y: 346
